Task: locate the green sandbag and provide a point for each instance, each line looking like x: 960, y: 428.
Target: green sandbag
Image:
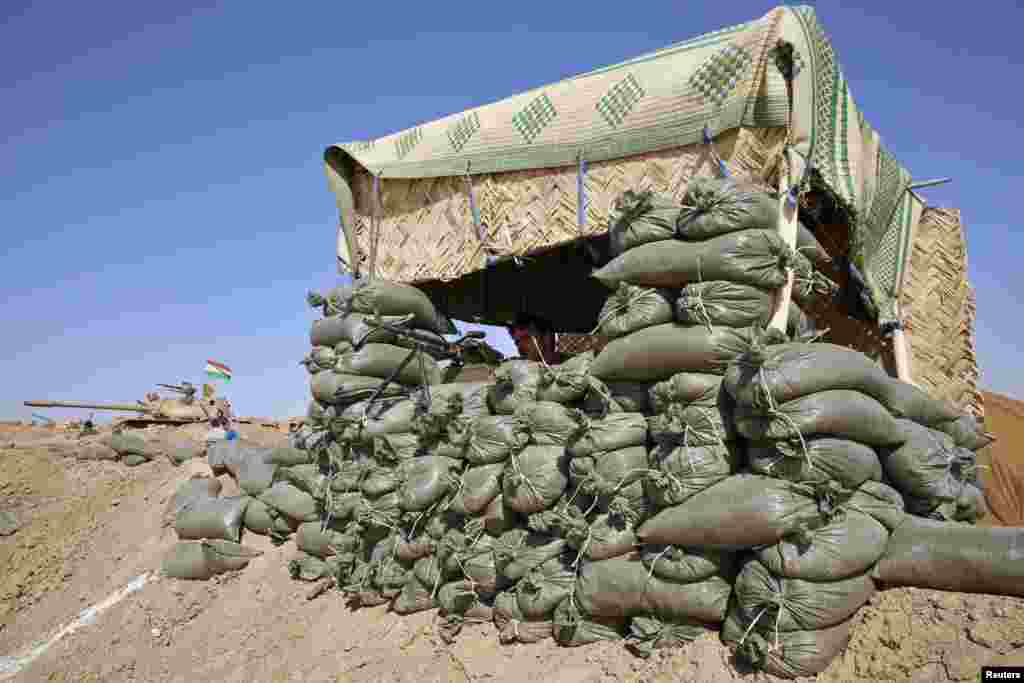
x: 198, y: 488
x: 839, y: 413
x: 395, y: 298
x: 426, y: 481
x: 617, y: 397
x: 479, y: 486
x: 415, y: 597
x: 797, y: 605
x: 499, y: 517
x: 542, y: 588
x: 751, y: 257
x: 719, y: 206
x: 816, y: 460
x: 631, y: 308
x: 607, y: 472
x: 378, y: 480
x: 549, y: 423
x: 967, y: 432
x: 255, y: 474
x: 363, y: 422
x: 695, y: 424
x: 847, y: 546
x: 968, y: 506
x: 394, y: 448
x: 516, y: 382
x: 795, y: 370
x: 430, y: 571
x: 313, y: 538
x: 306, y: 478
x: 640, y: 218
x: 928, y: 466
x: 948, y: 556
x: 382, y: 360
x: 606, y: 537
x: 566, y: 382
x: 880, y: 501
x: 657, y: 353
x: 647, y: 634
x: 535, y: 478
x: 336, y: 388
x: 351, y: 328
x: 730, y: 304
x: 474, y: 396
x: 686, y: 565
x: 132, y: 460
x: 291, y: 502
x: 200, y: 560
x: 739, y: 512
x: 518, y: 551
x: 573, y: 629
x: 126, y: 443
x: 790, y: 654
x: 682, y: 472
x: 212, y: 518
x: 306, y: 567
x: 623, y: 587
x: 343, y: 506
x: 287, y: 456
x: 513, y: 627
x: 257, y: 518
x: 320, y: 358
x: 685, y: 387
x: 493, y: 437
x: 620, y: 430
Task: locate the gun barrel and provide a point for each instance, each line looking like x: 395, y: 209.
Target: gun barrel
x: 416, y: 335
x: 121, y: 407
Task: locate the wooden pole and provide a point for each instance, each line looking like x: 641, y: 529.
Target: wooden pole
x: 929, y: 183
x: 787, y: 230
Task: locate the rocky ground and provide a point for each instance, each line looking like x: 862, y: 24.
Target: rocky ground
x: 89, y: 527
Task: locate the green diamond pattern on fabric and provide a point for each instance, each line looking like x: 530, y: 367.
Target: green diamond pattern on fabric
x: 620, y: 100
x: 407, y: 142
x: 825, y: 114
x: 534, y: 118
x: 460, y: 132
x: 716, y: 78
x: 885, y: 261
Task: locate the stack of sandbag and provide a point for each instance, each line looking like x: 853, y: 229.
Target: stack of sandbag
x: 210, y: 531
x: 693, y: 281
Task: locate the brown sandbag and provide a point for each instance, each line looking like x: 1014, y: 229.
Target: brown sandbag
x: 624, y: 587
x: 954, y: 557
x: 839, y: 413
x: 631, y: 308
x: 847, y: 546
x: 818, y: 459
x: 382, y: 297
x: 797, y: 605
x: 657, y: 353
x: 335, y: 388
x: 791, y: 371
x: 790, y: 654
x: 382, y: 360
x: 751, y: 257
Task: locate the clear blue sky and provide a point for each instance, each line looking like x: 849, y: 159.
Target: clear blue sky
x: 162, y: 197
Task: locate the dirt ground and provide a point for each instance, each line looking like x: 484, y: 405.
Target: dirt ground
x: 89, y: 527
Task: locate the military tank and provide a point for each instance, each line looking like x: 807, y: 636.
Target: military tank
x: 186, y: 408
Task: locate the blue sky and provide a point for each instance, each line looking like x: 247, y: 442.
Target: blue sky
x: 162, y: 194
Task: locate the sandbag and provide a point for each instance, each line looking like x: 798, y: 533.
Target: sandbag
x: 719, y: 206
x: 628, y: 397
x: 257, y: 518
x: 685, y: 388
x: 614, y: 432
x: 609, y: 472
x: 255, y: 474
x: 848, y: 545
x: 606, y: 537
x: 291, y: 501
x: 336, y: 388
x: 180, y: 453
x: 126, y: 443
x: 623, y: 587
x: 647, y: 634
x: 954, y: 557
x: 535, y: 478
x: 817, y: 460
x: 196, y: 489
x: 133, y: 460
x: 839, y: 413
x: 790, y: 654
x: 928, y: 466
x: 681, y: 472
x: 797, y: 605
x: 694, y: 424
x: 794, y: 370
x: 362, y: 422
x: 382, y: 297
x: 519, y: 551
x: 415, y: 597
x: 307, y: 478
x: 212, y: 518
x: 492, y: 438
x: 657, y: 353
x: 287, y: 456
x: 306, y: 567
x: 473, y: 396
x: 426, y: 480
x: 631, y: 308
x: 351, y: 328
x: 686, y: 565
x: 739, y: 512
x: 566, y: 382
x: 549, y: 423
x: 200, y: 560
x: 571, y: 628
x: 640, y: 218
x: 543, y: 587
x: 499, y: 517
x: 967, y: 432
x: 516, y: 382
x: 395, y: 448
x: 313, y: 538
x: 730, y: 304
x: 751, y: 257
x: 382, y: 360
x: 512, y: 626
x: 479, y: 486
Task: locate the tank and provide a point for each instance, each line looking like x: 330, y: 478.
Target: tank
x: 155, y: 409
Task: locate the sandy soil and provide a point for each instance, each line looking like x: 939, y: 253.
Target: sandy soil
x: 90, y: 527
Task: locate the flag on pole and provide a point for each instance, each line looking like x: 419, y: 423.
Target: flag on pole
x: 218, y: 370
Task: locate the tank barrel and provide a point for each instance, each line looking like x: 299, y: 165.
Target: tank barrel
x: 122, y: 407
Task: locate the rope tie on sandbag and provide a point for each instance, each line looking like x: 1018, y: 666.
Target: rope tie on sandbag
x: 518, y: 477
x: 709, y: 143
x: 654, y: 562
x: 626, y: 301
x: 773, y: 410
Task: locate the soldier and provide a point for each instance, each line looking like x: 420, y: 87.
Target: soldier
x: 531, y: 334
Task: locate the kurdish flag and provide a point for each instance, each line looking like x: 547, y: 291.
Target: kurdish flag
x: 218, y: 370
